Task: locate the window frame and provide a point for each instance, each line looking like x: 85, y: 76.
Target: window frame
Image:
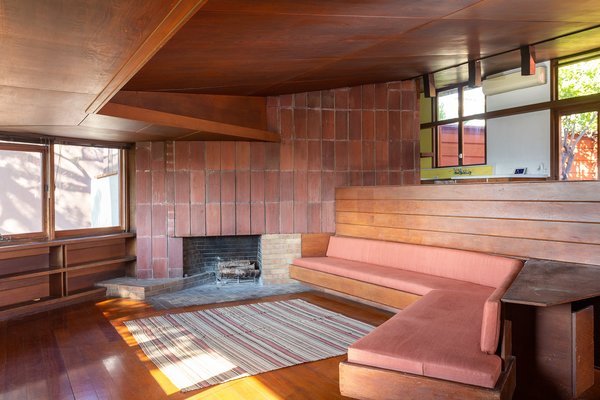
x: 44, y: 211
x: 461, y: 119
x: 568, y: 106
x: 67, y: 233
x: 556, y: 107
x: 49, y: 231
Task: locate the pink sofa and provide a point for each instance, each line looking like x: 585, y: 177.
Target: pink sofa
x: 452, y: 332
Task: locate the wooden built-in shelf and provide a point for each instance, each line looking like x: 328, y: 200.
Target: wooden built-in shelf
x: 39, y: 276
x: 101, y: 263
x: 31, y: 274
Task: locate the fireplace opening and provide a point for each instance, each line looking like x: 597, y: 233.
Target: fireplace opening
x: 237, y: 271
x: 222, y: 259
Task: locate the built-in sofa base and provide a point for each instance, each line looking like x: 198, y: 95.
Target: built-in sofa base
x: 393, y: 298
x: 369, y: 383
x: 445, y: 344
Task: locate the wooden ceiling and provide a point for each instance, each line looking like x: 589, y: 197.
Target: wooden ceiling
x: 289, y: 46
x: 62, y: 61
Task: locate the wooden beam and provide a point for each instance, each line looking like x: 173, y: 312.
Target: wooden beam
x: 474, y: 73
x: 249, y: 111
x: 527, y: 60
x: 429, y: 85
x: 181, y: 12
x: 194, y: 124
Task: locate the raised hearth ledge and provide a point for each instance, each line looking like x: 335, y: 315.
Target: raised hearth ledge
x: 140, y: 289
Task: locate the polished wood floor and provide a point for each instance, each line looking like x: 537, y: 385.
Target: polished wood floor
x: 85, y: 352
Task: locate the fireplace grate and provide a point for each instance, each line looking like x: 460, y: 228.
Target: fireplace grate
x: 237, y: 271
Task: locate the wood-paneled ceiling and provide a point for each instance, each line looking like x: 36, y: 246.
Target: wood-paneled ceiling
x: 286, y: 46
x: 63, y: 60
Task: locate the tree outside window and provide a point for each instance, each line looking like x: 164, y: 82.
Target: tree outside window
x: 578, y: 141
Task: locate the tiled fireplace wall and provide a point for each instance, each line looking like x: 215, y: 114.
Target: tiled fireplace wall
x: 364, y: 135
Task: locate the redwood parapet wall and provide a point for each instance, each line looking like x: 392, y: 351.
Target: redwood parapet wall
x: 363, y: 135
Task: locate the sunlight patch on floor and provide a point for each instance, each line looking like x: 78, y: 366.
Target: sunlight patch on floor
x: 245, y: 388
x: 165, y: 384
x: 208, y: 365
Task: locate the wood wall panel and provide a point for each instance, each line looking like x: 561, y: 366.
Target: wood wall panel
x: 540, y: 230
x: 86, y: 278
x: 550, y: 220
x: 23, y: 264
x: 86, y: 252
x: 545, y: 211
x: 23, y: 290
x: 315, y: 244
x: 538, y: 191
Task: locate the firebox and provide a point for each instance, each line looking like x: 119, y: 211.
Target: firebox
x: 222, y: 259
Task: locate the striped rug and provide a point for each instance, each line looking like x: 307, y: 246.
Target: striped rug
x: 203, y: 348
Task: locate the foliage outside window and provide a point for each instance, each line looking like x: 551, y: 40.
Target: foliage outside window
x: 460, y: 142
x: 22, y: 210
x: 579, y: 79
x: 578, y: 131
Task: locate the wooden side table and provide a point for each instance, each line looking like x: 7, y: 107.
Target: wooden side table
x: 551, y: 306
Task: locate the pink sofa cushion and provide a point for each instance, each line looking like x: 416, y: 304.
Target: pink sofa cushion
x: 407, y: 281
x: 438, y: 337
x: 490, y: 328
x: 468, y: 266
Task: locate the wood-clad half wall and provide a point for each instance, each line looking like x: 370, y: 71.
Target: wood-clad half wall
x: 547, y: 220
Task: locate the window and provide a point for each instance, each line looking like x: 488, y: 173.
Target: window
x: 87, y: 187
x: 580, y: 78
x: 22, y: 206
x: 88, y: 190
x: 578, y: 125
x: 462, y: 140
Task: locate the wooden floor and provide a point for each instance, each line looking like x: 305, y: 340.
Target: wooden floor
x: 85, y: 352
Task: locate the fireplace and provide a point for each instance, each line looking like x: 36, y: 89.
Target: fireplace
x: 222, y: 259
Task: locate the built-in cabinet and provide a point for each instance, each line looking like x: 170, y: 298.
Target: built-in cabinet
x: 45, y: 275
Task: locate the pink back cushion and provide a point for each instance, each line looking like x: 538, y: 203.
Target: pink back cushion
x: 468, y: 266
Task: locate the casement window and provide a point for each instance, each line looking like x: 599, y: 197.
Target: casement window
x: 60, y: 190
x: 577, y: 125
x: 460, y: 139
x: 455, y: 138
x: 88, y: 189
x: 23, y: 205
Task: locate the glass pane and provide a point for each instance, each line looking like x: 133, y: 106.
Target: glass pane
x: 579, y: 146
x: 448, y: 145
x: 447, y: 104
x: 21, y: 208
x: 579, y: 79
x: 473, y: 101
x: 87, y: 187
x: 474, y: 142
